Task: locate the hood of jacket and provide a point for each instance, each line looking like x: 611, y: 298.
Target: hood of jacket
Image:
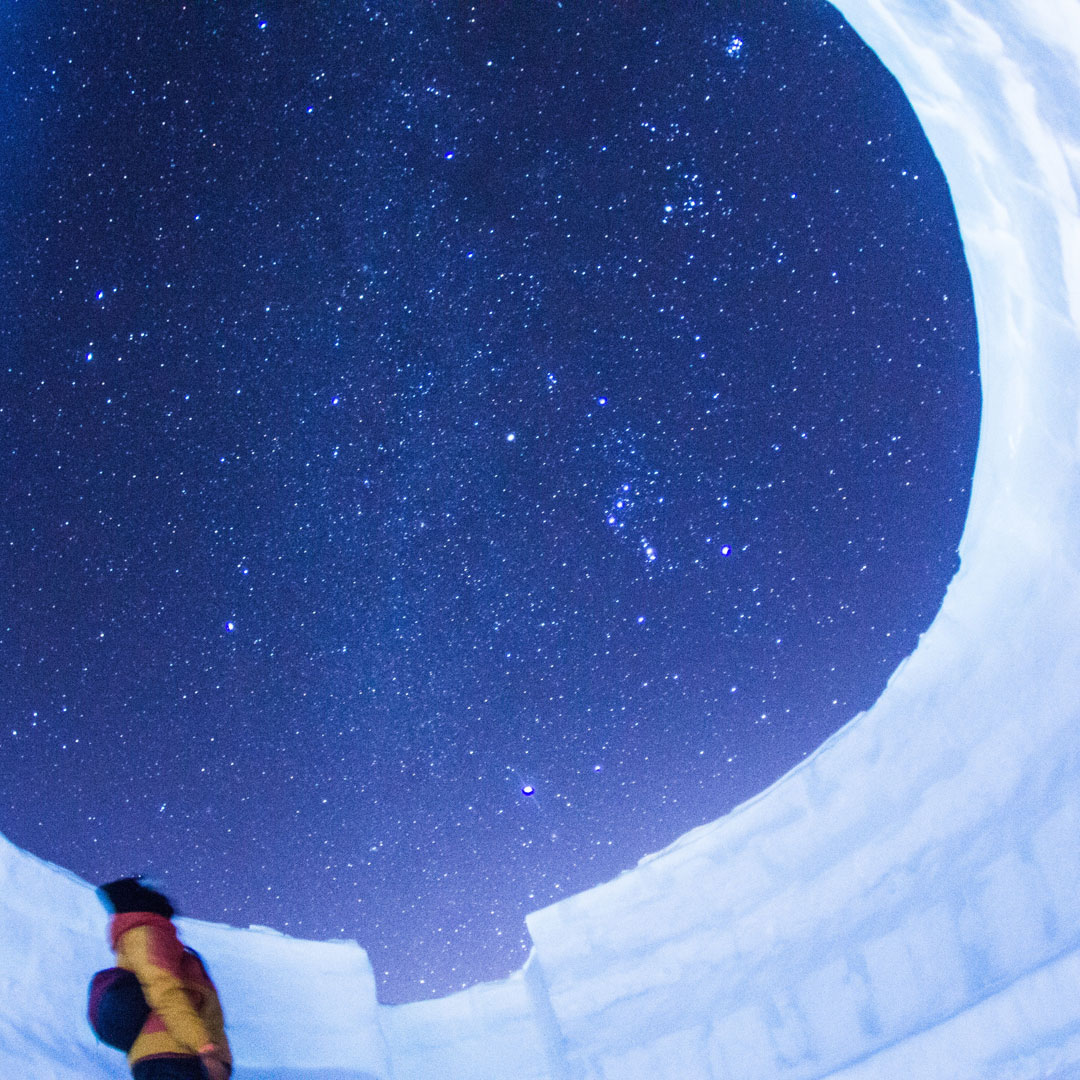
x: 121, y: 924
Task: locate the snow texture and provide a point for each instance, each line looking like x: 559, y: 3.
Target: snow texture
x: 906, y: 903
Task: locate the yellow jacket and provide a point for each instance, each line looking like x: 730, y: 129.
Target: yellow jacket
x: 185, y: 1014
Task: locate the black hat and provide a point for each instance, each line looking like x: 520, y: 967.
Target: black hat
x: 130, y: 894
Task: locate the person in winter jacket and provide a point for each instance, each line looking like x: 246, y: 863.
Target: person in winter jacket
x: 184, y: 1035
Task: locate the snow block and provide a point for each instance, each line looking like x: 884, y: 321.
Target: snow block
x: 293, y: 1004
x: 487, y: 1032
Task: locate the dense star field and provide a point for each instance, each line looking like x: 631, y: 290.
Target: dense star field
x: 453, y: 450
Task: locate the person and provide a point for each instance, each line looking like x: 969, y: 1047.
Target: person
x: 183, y: 1038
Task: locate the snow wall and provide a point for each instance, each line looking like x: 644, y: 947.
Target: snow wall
x: 905, y: 903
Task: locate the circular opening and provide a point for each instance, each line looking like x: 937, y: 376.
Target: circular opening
x: 455, y: 455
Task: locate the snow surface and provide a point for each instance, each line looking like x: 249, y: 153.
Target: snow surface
x: 904, y: 904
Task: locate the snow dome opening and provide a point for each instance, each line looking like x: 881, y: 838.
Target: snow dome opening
x: 637, y: 433
x: 907, y: 901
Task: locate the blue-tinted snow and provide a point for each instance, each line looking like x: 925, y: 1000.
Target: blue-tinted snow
x: 904, y: 904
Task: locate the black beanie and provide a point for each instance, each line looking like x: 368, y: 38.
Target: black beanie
x: 130, y: 894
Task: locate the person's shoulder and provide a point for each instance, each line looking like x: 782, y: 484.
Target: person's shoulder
x: 155, y: 932
x: 131, y: 920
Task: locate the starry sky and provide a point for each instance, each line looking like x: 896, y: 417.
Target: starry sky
x: 451, y: 450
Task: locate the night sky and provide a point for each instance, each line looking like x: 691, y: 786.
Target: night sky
x: 450, y: 451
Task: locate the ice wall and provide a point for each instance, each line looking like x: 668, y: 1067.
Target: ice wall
x: 905, y: 904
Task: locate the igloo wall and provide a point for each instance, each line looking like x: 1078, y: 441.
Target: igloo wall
x: 905, y: 903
